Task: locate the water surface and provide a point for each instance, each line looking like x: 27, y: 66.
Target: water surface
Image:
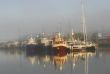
x: 15, y: 61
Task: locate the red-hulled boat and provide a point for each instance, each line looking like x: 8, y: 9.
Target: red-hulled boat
x: 59, y: 43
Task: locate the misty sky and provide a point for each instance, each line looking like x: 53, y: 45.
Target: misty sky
x: 21, y: 17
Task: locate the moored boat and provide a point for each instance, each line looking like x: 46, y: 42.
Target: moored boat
x: 31, y: 43
x: 32, y: 46
x: 59, y: 43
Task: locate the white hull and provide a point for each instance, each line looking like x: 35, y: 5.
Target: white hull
x: 82, y: 46
x: 60, y: 45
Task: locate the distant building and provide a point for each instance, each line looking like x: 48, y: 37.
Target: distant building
x: 104, y: 40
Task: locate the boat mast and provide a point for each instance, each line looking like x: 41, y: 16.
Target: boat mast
x: 84, y: 22
x: 72, y: 34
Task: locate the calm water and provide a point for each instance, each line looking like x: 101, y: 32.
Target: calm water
x: 18, y: 62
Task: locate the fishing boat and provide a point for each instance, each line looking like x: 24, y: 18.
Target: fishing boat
x: 31, y: 43
x: 59, y: 43
x: 32, y: 47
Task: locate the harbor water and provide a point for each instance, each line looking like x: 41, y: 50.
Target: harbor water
x: 17, y: 61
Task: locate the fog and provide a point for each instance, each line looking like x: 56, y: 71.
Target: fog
x: 18, y: 18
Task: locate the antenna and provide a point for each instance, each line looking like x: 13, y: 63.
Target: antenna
x: 60, y: 28
x: 84, y: 22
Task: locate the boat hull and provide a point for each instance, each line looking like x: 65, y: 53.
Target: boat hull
x: 90, y: 49
x: 34, y: 49
x: 61, y: 49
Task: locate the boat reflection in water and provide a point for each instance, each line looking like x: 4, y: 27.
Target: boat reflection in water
x: 20, y: 61
x: 58, y: 59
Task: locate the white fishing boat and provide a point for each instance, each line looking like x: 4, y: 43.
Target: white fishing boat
x: 85, y: 44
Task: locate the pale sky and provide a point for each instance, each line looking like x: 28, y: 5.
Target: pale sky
x: 20, y: 17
